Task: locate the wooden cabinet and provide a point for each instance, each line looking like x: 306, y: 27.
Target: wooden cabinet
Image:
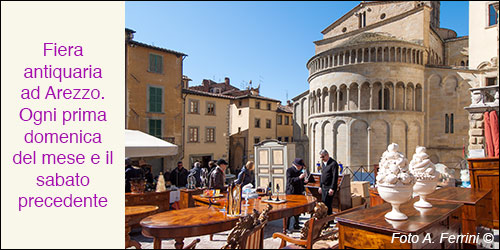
x: 476, y: 214
x: 484, y: 175
x: 186, y: 199
x: 341, y: 200
x: 368, y: 228
x: 160, y: 199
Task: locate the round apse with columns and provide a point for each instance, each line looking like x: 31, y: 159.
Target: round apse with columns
x: 364, y: 94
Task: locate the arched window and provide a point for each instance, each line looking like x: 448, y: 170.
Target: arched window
x: 446, y: 124
x: 451, y: 123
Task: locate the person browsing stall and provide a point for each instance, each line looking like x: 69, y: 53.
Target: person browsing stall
x: 178, y: 176
x: 295, y: 181
x: 218, y: 177
x: 329, y: 179
x: 245, y: 177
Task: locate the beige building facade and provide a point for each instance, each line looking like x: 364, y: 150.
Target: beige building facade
x: 483, y: 49
x: 386, y: 72
x: 153, y: 101
x: 207, y: 127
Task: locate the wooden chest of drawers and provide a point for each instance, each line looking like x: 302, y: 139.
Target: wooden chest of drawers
x: 368, y: 228
x: 160, y: 199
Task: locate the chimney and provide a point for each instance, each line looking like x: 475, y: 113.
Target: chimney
x: 226, y: 81
x: 205, y: 82
x: 288, y: 103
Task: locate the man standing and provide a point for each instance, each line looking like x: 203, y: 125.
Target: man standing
x: 329, y: 179
x: 295, y: 180
x: 217, y: 177
x: 178, y: 177
x: 196, y: 171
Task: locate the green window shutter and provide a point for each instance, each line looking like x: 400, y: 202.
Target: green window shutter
x: 159, y: 64
x: 155, y: 99
x: 151, y: 62
x: 151, y: 99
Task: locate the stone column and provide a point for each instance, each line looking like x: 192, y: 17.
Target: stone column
x: 382, y: 51
x: 369, y: 54
x: 362, y: 55
x: 338, y: 99
x: 348, y: 98
x: 359, y: 96
x: 383, y: 99
x: 414, y: 104
x: 371, y: 96
x: 369, y: 129
x: 404, y: 96
x: 393, y: 96
x: 476, y: 131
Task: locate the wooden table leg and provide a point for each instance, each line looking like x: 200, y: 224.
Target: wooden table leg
x: 179, y: 243
x: 157, y: 243
x: 211, y: 237
x: 128, y: 241
x: 285, y: 222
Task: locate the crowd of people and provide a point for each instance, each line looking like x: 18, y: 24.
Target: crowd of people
x: 296, y: 175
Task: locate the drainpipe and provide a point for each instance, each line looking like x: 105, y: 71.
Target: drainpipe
x: 183, y: 96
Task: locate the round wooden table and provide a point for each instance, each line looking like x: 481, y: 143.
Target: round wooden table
x: 196, y: 221
x: 133, y: 214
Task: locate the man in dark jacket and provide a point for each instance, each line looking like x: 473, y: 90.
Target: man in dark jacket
x: 329, y: 179
x: 196, y: 171
x: 178, y: 176
x: 217, y: 177
x: 245, y: 177
x: 295, y: 180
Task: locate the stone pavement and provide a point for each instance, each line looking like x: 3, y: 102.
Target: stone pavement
x: 220, y: 238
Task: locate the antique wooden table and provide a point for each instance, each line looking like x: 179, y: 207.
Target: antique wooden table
x: 368, y: 228
x: 203, y: 220
x: 341, y: 200
x: 160, y: 199
x: 476, y: 212
x: 133, y: 214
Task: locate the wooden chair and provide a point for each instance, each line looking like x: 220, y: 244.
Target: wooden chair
x: 314, y: 229
x: 249, y: 231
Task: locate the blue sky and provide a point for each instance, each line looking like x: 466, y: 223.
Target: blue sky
x: 266, y: 42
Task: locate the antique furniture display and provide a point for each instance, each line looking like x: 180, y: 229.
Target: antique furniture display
x: 375, y: 197
x: 484, y: 175
x: 342, y: 199
x: 272, y: 159
x: 394, y: 181
x: 476, y: 212
x: 205, y: 220
x: 249, y: 231
x: 134, y: 214
x: 160, y: 199
x: 186, y: 199
x: 314, y: 229
x: 369, y: 229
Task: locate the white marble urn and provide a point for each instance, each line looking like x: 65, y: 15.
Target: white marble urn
x: 394, y: 181
x: 426, y: 176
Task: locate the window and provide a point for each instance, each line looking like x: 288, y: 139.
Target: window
x: 287, y: 120
x: 210, y: 108
x: 155, y: 99
x: 362, y: 19
x: 155, y: 63
x: 239, y: 130
x: 279, y: 138
x: 269, y: 106
x: 240, y: 103
x: 193, y: 134
x: 492, y: 15
x: 155, y: 127
x: 257, y: 122
x: 256, y: 139
x: 239, y: 112
x: 286, y: 138
x: 193, y: 107
x: 257, y: 105
x: 449, y: 123
x: 279, y: 119
x: 268, y: 123
x: 305, y: 128
x: 490, y: 81
x: 210, y: 136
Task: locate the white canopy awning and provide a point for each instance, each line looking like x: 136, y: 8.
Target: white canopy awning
x: 139, y: 144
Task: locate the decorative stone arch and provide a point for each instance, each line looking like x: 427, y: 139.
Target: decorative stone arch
x: 327, y: 139
x: 353, y: 96
x: 365, y: 96
x: 484, y: 65
x: 419, y: 94
x: 388, y: 95
x: 434, y: 79
x: 340, y: 144
x: 410, y: 96
x: 313, y: 137
x: 342, y: 97
x: 359, y: 143
x: 376, y: 89
x: 333, y: 98
x: 324, y: 99
x: 318, y: 101
x: 400, y: 96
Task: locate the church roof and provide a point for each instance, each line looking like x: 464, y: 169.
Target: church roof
x: 367, y: 37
